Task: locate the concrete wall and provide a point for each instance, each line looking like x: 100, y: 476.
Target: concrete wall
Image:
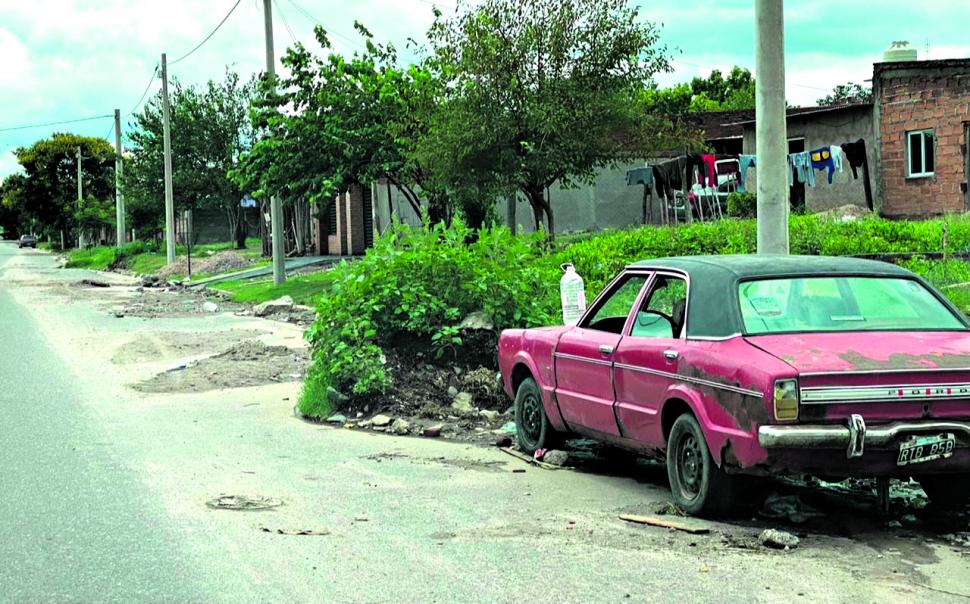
x: 607, y: 204
x: 819, y: 130
x: 915, y: 97
x: 212, y: 225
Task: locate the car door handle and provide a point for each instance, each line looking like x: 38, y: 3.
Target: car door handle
x: 670, y: 355
x: 606, y: 350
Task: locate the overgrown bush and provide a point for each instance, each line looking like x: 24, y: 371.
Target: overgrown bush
x: 742, y: 205
x: 420, y: 283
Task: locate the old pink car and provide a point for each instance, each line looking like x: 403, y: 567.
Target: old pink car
x: 759, y: 364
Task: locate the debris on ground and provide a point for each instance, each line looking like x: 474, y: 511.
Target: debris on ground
x: 531, y: 460
x: 556, y: 458
x: 380, y: 420
x: 219, y: 263
x: 210, y: 307
x: 272, y: 307
x: 847, y: 213
x: 789, y: 507
x: 337, y: 419
x: 176, y: 302
x: 693, y: 527
x: 776, y: 539
x: 503, y: 441
x: 669, y: 508
x: 432, y: 431
x: 400, y: 427
x: 93, y: 283
x: 302, y: 532
x: 249, y: 363
x: 244, y: 502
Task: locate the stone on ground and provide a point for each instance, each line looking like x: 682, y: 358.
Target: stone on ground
x: 776, y: 539
x: 463, y: 402
x: 380, y: 420
x: 272, y: 307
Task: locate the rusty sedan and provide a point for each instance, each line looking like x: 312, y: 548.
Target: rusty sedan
x: 728, y: 366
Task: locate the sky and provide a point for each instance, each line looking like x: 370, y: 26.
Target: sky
x: 68, y: 59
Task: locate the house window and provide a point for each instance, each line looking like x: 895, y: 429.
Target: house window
x: 921, y: 152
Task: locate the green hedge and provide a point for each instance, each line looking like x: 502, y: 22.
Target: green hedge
x: 420, y: 283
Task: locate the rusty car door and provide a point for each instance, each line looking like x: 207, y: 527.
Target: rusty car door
x: 584, y: 357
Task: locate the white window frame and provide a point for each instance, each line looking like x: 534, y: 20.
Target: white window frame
x: 922, y: 134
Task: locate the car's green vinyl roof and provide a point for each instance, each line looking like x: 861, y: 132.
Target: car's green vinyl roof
x: 712, y: 310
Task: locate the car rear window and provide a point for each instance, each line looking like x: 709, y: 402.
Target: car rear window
x: 811, y: 304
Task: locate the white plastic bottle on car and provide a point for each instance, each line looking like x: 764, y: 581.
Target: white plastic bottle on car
x: 572, y: 290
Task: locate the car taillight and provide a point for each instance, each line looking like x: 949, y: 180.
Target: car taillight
x: 786, y: 400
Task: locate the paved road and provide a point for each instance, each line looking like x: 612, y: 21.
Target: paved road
x: 104, y: 493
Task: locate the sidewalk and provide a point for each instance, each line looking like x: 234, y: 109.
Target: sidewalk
x: 291, y: 265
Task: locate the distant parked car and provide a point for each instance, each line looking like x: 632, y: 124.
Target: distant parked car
x: 759, y: 365
x: 27, y: 241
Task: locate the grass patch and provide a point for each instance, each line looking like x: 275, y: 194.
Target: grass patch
x: 144, y: 258
x: 95, y: 258
x: 305, y: 289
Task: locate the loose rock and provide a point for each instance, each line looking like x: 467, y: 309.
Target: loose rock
x: 337, y: 419
x: 488, y: 415
x: 273, y: 306
x: 503, y: 441
x: 462, y: 402
x: 210, y: 307
x: 400, y: 426
x: 556, y: 458
x: 432, y: 431
x: 380, y: 421
x: 776, y: 539
x: 452, y: 391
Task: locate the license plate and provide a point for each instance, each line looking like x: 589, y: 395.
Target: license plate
x: 920, y: 449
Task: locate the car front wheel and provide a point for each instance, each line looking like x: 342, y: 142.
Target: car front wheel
x: 698, y: 485
x: 532, y: 427
x: 947, y: 490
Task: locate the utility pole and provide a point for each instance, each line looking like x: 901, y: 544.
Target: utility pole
x: 275, y: 205
x: 119, y: 174
x: 167, y: 143
x: 770, y: 127
x: 80, y: 196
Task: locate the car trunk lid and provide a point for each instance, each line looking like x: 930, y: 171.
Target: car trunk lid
x: 880, y: 375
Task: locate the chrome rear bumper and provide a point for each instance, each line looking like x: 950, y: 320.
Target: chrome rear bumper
x: 853, y: 437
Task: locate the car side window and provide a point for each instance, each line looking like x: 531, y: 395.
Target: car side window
x: 612, y: 313
x: 663, y: 312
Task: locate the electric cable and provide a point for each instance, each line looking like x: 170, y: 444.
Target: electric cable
x: 58, y: 123
x: 279, y: 9
x: 212, y: 33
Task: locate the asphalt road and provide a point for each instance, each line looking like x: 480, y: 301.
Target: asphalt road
x: 104, y: 494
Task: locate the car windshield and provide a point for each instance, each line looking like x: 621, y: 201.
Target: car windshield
x: 810, y: 304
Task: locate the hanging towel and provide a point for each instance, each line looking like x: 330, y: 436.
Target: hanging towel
x: 822, y: 160
x: 669, y: 176
x: 855, y: 153
x: 802, y: 164
x: 837, y: 157
x: 745, y: 162
x: 695, y: 161
x: 710, y: 163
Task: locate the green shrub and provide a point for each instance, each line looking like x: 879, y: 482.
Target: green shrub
x: 742, y: 205
x: 420, y: 284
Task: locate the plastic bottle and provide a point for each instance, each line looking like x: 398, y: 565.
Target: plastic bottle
x: 572, y: 290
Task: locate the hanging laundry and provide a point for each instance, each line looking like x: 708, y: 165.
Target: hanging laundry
x: 669, y: 176
x: 745, y: 162
x: 855, y: 153
x: 695, y: 162
x: 837, y: 157
x: 802, y: 164
x: 710, y: 162
x: 822, y: 160
x: 727, y: 164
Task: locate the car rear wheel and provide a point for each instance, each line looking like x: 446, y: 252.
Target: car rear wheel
x: 698, y: 485
x: 947, y: 490
x: 532, y: 427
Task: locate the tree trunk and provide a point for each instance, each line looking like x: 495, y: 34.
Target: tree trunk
x: 264, y: 229
x: 510, y: 203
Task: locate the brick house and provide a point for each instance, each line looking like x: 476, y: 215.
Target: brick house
x: 922, y: 110
x: 346, y: 226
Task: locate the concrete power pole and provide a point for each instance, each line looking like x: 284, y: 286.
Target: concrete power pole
x: 80, y: 198
x: 275, y: 204
x: 119, y: 174
x: 167, y: 143
x: 770, y: 127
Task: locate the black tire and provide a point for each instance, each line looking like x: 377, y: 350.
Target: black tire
x: 947, y: 490
x: 698, y: 485
x: 532, y: 428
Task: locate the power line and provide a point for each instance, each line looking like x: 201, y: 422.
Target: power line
x: 212, y: 33
x: 148, y: 86
x: 313, y: 19
x: 73, y: 121
x: 279, y: 9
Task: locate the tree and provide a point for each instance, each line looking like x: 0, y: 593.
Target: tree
x: 544, y: 91
x: 12, y: 215
x: 49, y: 193
x: 714, y: 93
x: 847, y: 94
x: 210, y: 130
x: 339, y: 121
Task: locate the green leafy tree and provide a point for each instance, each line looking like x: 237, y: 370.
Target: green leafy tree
x: 713, y: 93
x: 13, y: 217
x: 49, y: 191
x: 210, y: 131
x: 543, y: 91
x: 847, y: 94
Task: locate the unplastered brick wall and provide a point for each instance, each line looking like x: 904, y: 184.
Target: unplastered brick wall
x: 918, y: 96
